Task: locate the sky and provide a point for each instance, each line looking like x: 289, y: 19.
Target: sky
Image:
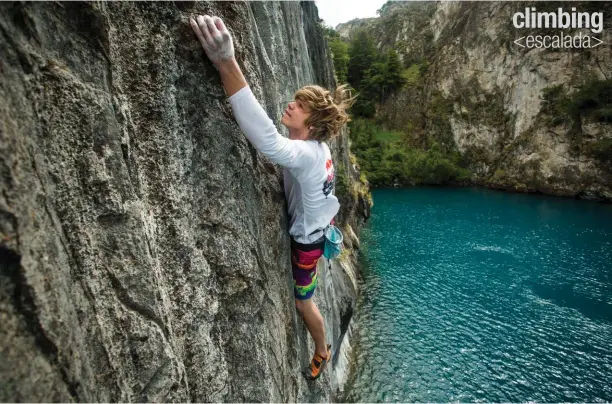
x: 336, y: 11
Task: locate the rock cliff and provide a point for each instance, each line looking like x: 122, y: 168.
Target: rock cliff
x: 144, y: 253
x: 535, y: 120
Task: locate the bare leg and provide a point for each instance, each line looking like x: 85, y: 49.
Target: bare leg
x: 314, y: 322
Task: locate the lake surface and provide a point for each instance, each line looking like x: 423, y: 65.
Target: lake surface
x: 479, y: 295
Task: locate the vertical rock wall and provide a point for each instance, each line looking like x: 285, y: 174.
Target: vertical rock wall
x: 144, y: 253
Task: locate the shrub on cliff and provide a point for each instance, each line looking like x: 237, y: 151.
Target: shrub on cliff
x: 592, y: 99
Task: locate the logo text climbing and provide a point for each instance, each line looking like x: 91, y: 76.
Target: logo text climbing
x: 531, y: 18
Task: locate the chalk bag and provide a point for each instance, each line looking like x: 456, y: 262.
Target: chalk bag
x: 333, y: 242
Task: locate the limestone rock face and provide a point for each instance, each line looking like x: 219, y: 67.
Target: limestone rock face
x: 501, y: 105
x: 144, y: 253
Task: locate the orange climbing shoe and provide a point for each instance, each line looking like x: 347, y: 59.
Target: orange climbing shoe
x: 317, y: 365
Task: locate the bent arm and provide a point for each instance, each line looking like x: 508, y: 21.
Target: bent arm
x: 261, y: 132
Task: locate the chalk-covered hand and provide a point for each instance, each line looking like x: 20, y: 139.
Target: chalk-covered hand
x: 214, y: 37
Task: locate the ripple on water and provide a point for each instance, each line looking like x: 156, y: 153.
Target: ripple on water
x: 483, y: 296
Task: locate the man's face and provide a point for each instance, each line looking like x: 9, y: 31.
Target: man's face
x: 295, y: 115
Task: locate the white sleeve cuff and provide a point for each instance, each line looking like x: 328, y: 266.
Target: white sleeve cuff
x: 240, y: 94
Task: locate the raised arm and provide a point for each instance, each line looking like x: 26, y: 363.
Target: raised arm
x: 219, y: 47
x: 250, y: 115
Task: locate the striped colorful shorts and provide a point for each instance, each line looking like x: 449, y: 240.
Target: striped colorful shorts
x: 304, y: 258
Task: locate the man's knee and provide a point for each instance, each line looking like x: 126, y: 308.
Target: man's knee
x: 300, y: 305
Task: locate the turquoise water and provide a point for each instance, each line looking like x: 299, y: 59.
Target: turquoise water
x: 480, y: 295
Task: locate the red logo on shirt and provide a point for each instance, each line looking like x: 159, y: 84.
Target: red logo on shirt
x: 328, y: 185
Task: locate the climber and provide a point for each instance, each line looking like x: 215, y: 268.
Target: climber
x: 312, y: 118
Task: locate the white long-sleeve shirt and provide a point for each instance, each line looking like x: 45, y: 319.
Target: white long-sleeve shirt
x: 308, y: 173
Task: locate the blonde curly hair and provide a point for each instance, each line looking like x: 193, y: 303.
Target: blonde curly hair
x: 328, y: 112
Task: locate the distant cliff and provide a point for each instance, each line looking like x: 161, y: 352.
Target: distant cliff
x: 535, y: 120
x: 144, y: 253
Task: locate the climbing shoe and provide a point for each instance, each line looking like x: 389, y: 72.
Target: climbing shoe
x: 317, y: 365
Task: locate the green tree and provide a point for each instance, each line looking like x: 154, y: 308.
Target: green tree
x: 340, y: 54
x: 363, y: 54
x: 393, y: 72
x: 374, y: 77
x: 329, y: 32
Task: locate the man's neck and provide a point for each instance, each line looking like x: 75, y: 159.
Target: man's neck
x: 295, y: 134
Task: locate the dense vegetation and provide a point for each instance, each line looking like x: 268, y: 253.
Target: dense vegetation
x: 386, y: 157
x: 374, y: 75
x: 387, y: 160
x: 340, y: 53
